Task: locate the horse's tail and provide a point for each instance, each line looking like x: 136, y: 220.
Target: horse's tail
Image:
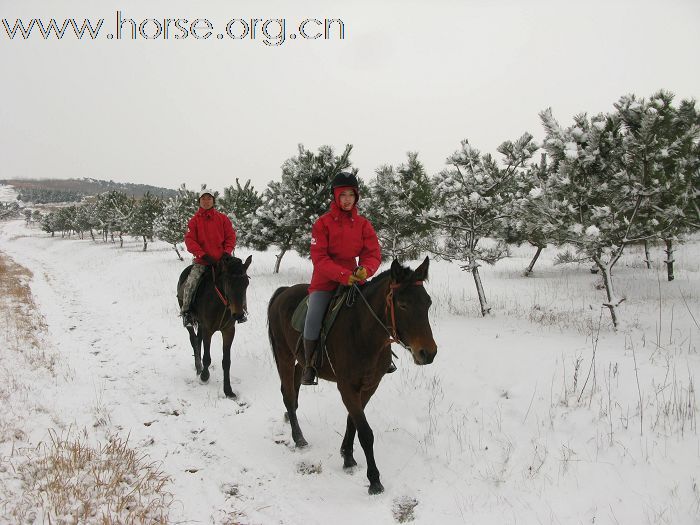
x: 269, y: 328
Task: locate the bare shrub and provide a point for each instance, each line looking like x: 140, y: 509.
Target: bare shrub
x: 403, y: 508
x: 69, y: 481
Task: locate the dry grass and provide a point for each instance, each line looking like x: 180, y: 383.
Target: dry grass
x: 64, y: 480
x: 67, y: 481
x: 403, y: 509
x: 24, y: 325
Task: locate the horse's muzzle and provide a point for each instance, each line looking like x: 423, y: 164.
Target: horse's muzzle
x: 424, y: 356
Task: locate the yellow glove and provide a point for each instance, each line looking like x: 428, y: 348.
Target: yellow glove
x: 361, y: 273
x: 352, y: 279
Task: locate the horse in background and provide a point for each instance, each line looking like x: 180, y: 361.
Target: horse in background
x: 218, y: 304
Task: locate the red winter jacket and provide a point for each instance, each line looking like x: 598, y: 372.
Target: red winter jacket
x: 209, y: 232
x: 338, y: 238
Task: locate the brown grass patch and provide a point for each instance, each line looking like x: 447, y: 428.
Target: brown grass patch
x: 24, y: 323
x: 69, y: 481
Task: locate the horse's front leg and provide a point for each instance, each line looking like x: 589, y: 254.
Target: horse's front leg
x: 196, y: 343
x: 353, y: 402
x: 346, y: 449
x: 226, y: 361
x: 206, y: 361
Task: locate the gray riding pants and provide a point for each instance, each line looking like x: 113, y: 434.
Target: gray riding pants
x: 318, y: 303
x: 190, y: 285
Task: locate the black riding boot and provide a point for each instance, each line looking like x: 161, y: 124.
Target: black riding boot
x: 308, y: 377
x: 392, y: 367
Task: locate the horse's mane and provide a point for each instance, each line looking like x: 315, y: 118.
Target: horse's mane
x: 404, y: 272
x: 233, y: 264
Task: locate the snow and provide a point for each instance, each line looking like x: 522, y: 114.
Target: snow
x: 7, y: 193
x: 571, y: 150
x: 506, y: 426
x: 536, y: 192
x: 593, y: 231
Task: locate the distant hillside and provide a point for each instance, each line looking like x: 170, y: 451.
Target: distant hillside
x: 75, y: 189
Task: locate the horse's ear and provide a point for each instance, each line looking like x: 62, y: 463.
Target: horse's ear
x: 247, y: 262
x: 421, y: 272
x: 396, y: 271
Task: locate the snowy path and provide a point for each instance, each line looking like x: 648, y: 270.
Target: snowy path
x: 484, y: 435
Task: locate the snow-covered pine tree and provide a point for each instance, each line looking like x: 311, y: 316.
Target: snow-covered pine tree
x: 290, y: 206
x: 240, y: 204
x: 113, y: 211
x: 396, y: 205
x: 660, y: 145
x: 171, y: 225
x: 525, y: 223
x: 473, y: 201
x: 48, y: 223
x: 143, y: 216
x: 591, y: 200
x: 85, y: 219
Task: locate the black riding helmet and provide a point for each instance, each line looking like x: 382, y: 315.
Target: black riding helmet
x: 345, y: 178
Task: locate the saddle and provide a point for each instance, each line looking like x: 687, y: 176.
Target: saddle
x: 299, y: 318
x: 181, y: 284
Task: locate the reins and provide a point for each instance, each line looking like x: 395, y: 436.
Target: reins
x: 389, y: 312
x: 218, y: 292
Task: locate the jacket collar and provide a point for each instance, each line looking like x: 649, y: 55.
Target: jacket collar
x: 206, y: 213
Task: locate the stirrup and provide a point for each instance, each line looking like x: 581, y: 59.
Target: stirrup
x: 309, y: 377
x: 392, y: 367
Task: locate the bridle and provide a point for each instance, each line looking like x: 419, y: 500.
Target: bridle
x: 389, y: 312
x: 222, y: 297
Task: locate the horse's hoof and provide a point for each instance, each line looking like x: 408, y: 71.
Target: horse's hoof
x: 349, y: 463
x: 204, y: 376
x: 375, y: 488
x: 230, y: 394
x: 301, y: 443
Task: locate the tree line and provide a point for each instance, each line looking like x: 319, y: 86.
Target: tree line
x: 590, y: 188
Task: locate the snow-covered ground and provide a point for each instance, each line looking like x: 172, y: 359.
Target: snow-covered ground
x: 510, y: 424
x: 7, y: 193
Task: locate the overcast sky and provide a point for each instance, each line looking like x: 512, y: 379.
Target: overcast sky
x: 409, y: 76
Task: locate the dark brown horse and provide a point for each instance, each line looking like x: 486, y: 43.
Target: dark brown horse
x: 220, y: 302
x: 358, y: 349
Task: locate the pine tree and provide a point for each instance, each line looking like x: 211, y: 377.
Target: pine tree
x: 113, y: 210
x: 660, y: 145
x: 48, y: 223
x: 473, y: 201
x: 396, y: 205
x: 171, y: 225
x: 290, y: 207
x: 240, y: 204
x: 525, y: 223
x: 591, y: 199
x: 143, y: 216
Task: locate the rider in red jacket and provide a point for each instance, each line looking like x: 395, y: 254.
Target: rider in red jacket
x: 209, y: 235
x: 344, y: 250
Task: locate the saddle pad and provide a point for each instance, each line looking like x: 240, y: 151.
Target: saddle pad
x: 299, y: 315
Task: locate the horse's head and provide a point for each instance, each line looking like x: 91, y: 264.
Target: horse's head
x: 235, y: 282
x: 411, y: 303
